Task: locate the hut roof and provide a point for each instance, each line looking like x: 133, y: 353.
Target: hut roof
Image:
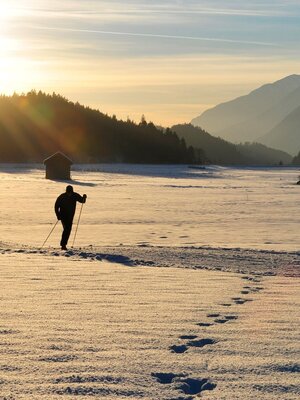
x: 58, y: 155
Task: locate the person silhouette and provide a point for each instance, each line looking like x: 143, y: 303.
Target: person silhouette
x: 65, y: 207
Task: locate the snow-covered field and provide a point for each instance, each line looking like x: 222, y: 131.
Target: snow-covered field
x: 182, y: 283
x: 161, y: 205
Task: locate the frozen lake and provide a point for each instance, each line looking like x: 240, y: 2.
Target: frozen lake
x: 158, y: 205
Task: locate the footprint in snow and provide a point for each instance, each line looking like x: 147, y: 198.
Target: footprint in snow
x: 189, y: 386
x: 221, y: 321
x: 225, y: 319
x: 252, y: 279
x: 231, y: 317
x: 255, y: 289
x: 165, y: 378
x: 201, y: 342
x: 240, y: 300
x: 188, y: 337
x: 178, y: 349
x: 196, y: 386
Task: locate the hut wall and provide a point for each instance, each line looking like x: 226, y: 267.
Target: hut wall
x: 58, y: 169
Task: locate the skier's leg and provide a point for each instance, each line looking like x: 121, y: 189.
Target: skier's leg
x: 67, y: 224
x: 62, y: 236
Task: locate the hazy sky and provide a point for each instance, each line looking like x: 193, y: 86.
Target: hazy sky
x: 166, y: 59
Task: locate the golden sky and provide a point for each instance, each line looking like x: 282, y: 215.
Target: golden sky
x: 169, y: 60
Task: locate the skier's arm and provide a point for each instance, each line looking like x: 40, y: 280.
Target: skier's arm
x: 57, y: 208
x: 81, y: 199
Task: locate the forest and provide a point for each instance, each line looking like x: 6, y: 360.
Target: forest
x: 35, y: 125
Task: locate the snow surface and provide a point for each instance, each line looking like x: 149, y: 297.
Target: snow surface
x: 218, y: 318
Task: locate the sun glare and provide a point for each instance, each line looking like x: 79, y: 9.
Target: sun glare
x: 5, y: 10
x: 5, y: 48
x: 17, y: 72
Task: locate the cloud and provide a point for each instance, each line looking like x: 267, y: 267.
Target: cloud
x: 158, y: 9
x: 160, y: 36
x: 255, y: 7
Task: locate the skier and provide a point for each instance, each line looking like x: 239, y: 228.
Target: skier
x: 65, y: 207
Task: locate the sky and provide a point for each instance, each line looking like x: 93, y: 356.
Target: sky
x: 169, y: 60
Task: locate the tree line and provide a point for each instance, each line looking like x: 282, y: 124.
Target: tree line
x: 36, y: 124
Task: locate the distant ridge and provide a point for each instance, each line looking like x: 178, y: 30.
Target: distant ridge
x: 252, y: 117
x: 219, y: 151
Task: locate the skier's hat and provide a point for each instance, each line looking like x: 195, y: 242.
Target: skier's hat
x: 69, y: 189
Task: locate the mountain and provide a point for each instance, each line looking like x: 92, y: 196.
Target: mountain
x: 249, y: 117
x: 219, y: 151
x: 35, y: 125
x: 286, y: 135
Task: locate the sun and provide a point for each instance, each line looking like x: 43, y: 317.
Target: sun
x: 5, y: 10
x: 11, y: 65
x: 7, y: 43
x: 5, y: 13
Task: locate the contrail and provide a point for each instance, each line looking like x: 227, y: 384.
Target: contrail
x: 160, y: 36
x: 201, y: 11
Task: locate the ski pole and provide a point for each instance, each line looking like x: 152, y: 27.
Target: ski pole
x: 49, y: 234
x: 77, y: 224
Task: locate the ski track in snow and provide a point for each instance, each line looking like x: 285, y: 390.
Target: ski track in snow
x: 245, y: 261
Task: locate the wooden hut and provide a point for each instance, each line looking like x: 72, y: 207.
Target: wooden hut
x: 58, y: 166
